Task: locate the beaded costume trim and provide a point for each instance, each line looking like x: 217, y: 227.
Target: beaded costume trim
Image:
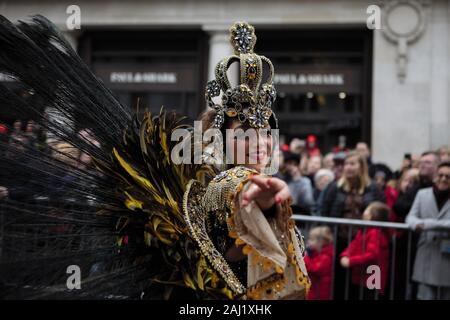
x: 197, y: 202
x: 218, y: 196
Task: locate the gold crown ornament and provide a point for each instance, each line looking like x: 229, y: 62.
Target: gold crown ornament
x: 251, y: 100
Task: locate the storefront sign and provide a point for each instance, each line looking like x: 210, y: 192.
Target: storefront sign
x: 303, y: 79
x: 315, y: 79
x: 143, y: 77
x: 147, y: 77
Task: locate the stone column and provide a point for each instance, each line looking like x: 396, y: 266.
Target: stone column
x: 219, y: 48
x: 402, y: 82
x: 440, y: 66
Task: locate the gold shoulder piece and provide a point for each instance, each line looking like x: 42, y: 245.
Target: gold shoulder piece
x: 195, y: 217
x: 198, y: 201
x: 222, y: 189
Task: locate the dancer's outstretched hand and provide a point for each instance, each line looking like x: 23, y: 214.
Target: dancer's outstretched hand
x: 266, y: 191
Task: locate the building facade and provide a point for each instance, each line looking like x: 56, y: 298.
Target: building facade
x: 343, y: 68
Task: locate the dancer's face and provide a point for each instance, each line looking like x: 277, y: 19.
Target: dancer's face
x: 252, y: 147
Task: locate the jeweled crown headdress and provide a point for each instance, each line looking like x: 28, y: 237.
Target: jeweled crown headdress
x: 250, y: 100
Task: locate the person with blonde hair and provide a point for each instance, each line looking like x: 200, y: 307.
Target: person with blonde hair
x: 348, y: 198
x: 352, y: 193
x: 319, y: 262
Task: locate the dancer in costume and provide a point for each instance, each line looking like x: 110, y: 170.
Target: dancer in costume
x: 135, y: 223
x: 242, y: 210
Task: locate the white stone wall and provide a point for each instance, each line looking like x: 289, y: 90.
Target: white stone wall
x: 406, y: 117
x: 412, y: 116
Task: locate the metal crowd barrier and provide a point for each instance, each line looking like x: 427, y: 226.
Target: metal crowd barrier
x: 305, y: 223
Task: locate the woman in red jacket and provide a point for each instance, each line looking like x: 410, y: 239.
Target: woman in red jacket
x: 319, y: 263
x: 369, y: 248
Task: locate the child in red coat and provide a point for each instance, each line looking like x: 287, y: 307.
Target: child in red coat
x: 369, y: 248
x: 319, y: 263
